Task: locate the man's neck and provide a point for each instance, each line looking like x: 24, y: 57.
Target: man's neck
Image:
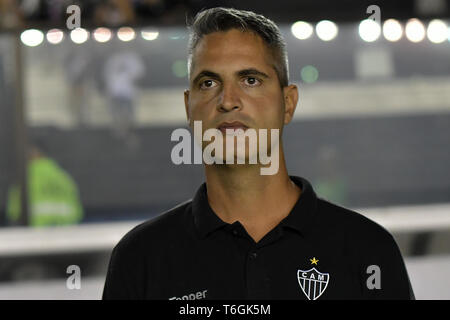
x: 258, y: 202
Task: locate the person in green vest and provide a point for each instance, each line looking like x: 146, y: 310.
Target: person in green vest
x: 53, y: 194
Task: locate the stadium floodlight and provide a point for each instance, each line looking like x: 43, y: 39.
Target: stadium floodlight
x: 302, y: 30
x: 414, y: 30
x: 326, y: 30
x: 54, y: 36
x: 392, y: 30
x: 79, y: 35
x: 437, y: 31
x: 32, y: 37
x: 149, y: 35
x: 126, y: 34
x: 369, y: 30
x: 102, y: 34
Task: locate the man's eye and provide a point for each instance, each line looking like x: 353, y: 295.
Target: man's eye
x: 252, y: 81
x: 208, y: 84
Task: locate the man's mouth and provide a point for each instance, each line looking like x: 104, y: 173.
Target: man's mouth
x: 232, y: 126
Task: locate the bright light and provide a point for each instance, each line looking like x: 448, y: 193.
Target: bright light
x: 126, y: 34
x: 392, y: 30
x: 32, y: 37
x: 437, y: 31
x: 102, y: 35
x: 369, y: 30
x: 414, y: 30
x: 179, y: 68
x: 302, y: 30
x: 326, y: 30
x: 55, y: 36
x: 79, y: 35
x: 309, y: 74
x: 149, y: 35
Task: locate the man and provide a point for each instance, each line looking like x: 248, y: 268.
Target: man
x: 246, y: 235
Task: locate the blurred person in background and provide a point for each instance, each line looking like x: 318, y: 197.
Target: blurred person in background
x: 150, y: 8
x: 121, y: 72
x: 330, y: 184
x: 78, y: 66
x: 11, y: 15
x: 114, y: 12
x: 53, y: 194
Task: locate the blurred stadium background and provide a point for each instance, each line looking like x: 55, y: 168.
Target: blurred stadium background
x: 99, y: 103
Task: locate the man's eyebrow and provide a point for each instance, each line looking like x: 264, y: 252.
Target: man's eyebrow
x: 206, y: 73
x: 240, y: 73
x: 252, y: 72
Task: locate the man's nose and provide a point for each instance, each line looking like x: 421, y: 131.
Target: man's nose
x: 229, y: 98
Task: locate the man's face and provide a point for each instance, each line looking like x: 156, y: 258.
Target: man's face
x: 233, y: 79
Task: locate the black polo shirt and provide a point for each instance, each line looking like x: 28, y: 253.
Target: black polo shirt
x: 319, y: 251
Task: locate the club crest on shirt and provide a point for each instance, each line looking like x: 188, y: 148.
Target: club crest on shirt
x: 312, y: 282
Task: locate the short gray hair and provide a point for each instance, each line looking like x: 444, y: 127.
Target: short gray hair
x: 223, y: 19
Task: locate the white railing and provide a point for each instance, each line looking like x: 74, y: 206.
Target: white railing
x: 16, y: 241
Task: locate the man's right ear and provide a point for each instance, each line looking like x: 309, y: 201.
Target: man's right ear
x: 186, y: 103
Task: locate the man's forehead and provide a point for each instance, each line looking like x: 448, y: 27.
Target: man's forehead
x: 232, y: 46
x: 231, y: 41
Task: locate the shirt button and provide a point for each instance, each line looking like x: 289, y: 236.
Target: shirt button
x: 235, y: 232
x: 253, y: 255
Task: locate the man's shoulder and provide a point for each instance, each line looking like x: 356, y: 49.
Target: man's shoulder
x: 355, y: 225
x: 368, y: 246
x: 166, y: 224
x: 168, y: 219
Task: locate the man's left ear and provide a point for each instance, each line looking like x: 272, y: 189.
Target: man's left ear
x: 290, y: 101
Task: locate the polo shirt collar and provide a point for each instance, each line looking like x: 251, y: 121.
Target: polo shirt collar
x: 303, y: 214
x: 300, y: 218
x: 205, y: 219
